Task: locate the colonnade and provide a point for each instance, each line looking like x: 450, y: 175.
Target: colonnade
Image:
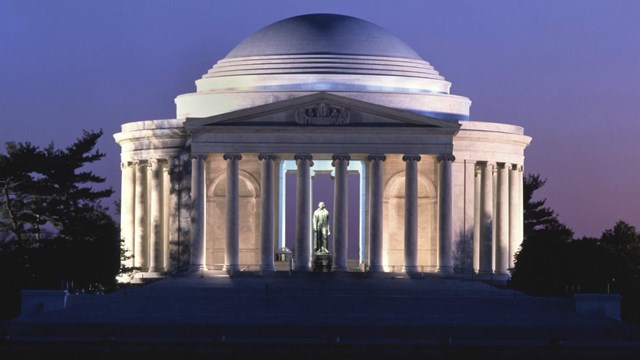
x: 497, y: 200
x: 499, y: 229
x: 145, y: 212
x: 302, y: 256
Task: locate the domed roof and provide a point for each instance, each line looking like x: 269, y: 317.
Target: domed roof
x: 323, y: 34
x: 313, y: 53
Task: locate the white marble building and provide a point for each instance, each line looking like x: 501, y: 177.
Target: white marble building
x: 440, y: 192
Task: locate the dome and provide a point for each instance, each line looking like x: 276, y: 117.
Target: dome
x: 323, y: 34
x: 333, y: 53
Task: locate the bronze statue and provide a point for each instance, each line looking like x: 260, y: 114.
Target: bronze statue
x: 321, y: 228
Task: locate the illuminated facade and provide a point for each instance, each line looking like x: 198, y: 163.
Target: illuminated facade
x: 438, y: 192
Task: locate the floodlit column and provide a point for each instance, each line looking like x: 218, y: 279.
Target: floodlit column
x: 377, y: 190
x: 477, y: 196
x: 127, y: 210
x: 340, y: 212
x: 411, y: 213
x: 502, y: 221
x: 168, y: 208
x: 486, y: 219
x: 155, y: 223
x: 233, y: 232
x: 267, y: 212
x: 198, y: 213
x: 140, y: 247
x: 513, y: 213
x: 303, y: 208
x: 445, y: 215
x: 520, y: 207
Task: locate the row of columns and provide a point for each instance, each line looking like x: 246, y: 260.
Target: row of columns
x: 498, y: 230
x: 501, y: 212
x: 144, y: 214
x: 302, y: 255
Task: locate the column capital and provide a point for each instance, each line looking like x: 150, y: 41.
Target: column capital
x: 501, y: 165
x: 232, y: 156
x: 376, y: 157
x: 153, y: 163
x: 446, y: 157
x: 198, y: 156
x: 411, y: 158
x: 340, y: 157
x: 267, y: 156
x: 517, y: 167
x: 126, y: 164
x: 302, y: 157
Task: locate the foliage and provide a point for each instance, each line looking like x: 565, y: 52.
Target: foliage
x: 53, y: 228
x: 551, y: 262
x: 537, y: 216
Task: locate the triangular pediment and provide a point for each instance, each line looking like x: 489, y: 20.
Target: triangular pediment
x: 321, y: 110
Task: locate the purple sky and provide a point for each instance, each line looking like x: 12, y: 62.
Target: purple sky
x: 567, y: 71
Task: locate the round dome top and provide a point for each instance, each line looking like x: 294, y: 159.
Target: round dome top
x: 323, y: 34
x: 313, y: 53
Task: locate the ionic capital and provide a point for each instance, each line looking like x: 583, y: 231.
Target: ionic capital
x: 376, y: 157
x: 199, y: 157
x: 302, y: 157
x: 340, y: 157
x: 446, y: 157
x: 126, y: 164
x: 411, y: 158
x: 154, y: 163
x: 267, y: 156
x: 232, y: 156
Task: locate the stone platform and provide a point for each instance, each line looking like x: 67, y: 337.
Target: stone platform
x: 318, y: 315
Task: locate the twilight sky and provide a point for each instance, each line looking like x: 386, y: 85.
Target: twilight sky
x: 567, y: 71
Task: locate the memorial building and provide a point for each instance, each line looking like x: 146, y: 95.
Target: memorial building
x: 438, y: 191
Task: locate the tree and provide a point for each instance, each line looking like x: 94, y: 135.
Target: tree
x: 52, y: 221
x: 540, y: 265
x: 536, y: 214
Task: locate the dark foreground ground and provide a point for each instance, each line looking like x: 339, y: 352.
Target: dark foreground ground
x: 317, y: 315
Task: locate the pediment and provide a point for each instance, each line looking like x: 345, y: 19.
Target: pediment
x: 321, y: 110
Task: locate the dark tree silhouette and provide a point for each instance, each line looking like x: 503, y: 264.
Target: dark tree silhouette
x: 53, y: 226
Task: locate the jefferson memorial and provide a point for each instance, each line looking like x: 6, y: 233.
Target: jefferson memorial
x: 322, y: 94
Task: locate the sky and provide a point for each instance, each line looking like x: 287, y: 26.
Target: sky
x: 567, y: 71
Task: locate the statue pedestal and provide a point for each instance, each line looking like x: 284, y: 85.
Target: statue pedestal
x: 321, y: 262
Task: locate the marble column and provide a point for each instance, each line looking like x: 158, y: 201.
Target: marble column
x: 520, y: 209
x: 127, y: 210
x: 303, y: 209
x: 267, y: 217
x: 502, y: 221
x: 168, y: 208
x: 340, y: 212
x: 155, y: 221
x: 140, y: 244
x: 486, y: 219
x: 377, y: 192
x: 513, y: 213
x: 477, y: 196
x: 445, y: 214
x: 411, y: 213
x: 233, y: 232
x: 198, y: 213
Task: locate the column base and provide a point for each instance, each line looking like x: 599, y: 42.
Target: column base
x: 410, y: 269
x: 444, y: 270
x: 231, y: 268
x: 197, y: 268
x: 375, y: 268
x: 268, y: 268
